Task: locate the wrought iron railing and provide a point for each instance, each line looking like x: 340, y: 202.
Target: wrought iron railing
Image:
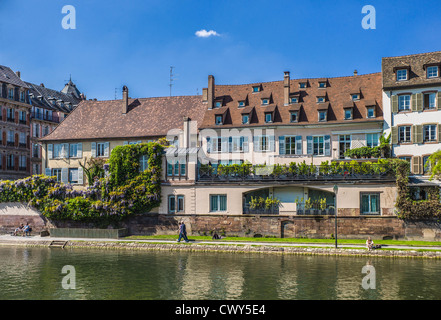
x: 271, y: 210
x: 257, y: 173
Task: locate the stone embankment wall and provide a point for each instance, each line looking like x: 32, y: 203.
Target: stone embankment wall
x: 378, y: 227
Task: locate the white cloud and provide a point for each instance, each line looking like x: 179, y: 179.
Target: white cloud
x: 205, y: 34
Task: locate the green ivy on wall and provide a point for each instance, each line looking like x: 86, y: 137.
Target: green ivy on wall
x: 124, y: 191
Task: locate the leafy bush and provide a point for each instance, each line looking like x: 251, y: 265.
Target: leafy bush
x: 125, y: 191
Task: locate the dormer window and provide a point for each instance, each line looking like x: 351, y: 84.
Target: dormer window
x: 355, y: 96
x: 322, y: 84
x: 348, y: 114
x: 322, y: 115
x: 294, y: 100
x: 432, y: 72
x: 294, y: 116
x: 256, y: 88
x: 241, y: 104
x: 371, y: 112
x: 402, y: 74
x: 245, y: 119
x: 218, y: 104
x: 218, y: 120
x: 302, y: 85
x: 320, y: 99
x: 268, y: 117
x: 265, y: 101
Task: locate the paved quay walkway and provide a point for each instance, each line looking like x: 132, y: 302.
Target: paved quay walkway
x: 37, y: 239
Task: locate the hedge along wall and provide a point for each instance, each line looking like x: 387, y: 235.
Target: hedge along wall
x: 126, y: 190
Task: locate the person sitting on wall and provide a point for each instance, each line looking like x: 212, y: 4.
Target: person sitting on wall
x: 27, y: 230
x: 369, y: 243
x: 19, y: 229
x: 215, y: 236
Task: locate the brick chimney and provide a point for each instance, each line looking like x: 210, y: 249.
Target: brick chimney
x: 210, y: 92
x: 18, y: 74
x: 125, y: 107
x: 286, y: 89
x: 355, y: 72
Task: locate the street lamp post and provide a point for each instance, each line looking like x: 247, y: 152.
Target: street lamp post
x: 335, y: 214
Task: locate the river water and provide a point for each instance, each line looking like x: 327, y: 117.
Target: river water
x: 37, y: 273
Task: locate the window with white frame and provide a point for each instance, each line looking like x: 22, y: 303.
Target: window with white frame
x: 370, y: 203
x: 268, y: 117
x: 430, y: 133
x: 432, y: 72
x: 404, y: 102
x: 318, y: 145
x: 100, y: 149
x: 11, y: 94
x: 429, y: 101
x: 265, y: 101
x: 245, y: 118
x: 404, y: 133
x: 143, y: 162
x: 290, y: 144
x: 263, y: 143
x: 237, y: 144
x: 73, y: 175
x: 294, y: 116
x: 218, y: 120
x: 218, y: 202
x: 322, y: 115
x: 348, y: 114
x: 372, y: 139
x: 56, y: 172
x: 402, y: 74
x: 176, y: 168
x: 370, y: 112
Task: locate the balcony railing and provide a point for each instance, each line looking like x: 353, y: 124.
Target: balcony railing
x: 271, y: 210
x: 284, y: 173
x: 314, y: 209
x: 46, y: 117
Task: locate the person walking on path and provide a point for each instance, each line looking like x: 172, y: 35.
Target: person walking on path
x: 182, y: 232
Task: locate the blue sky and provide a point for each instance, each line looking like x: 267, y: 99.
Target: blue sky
x: 134, y: 42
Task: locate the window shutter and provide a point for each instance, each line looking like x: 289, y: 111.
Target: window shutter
x: 309, y: 145
x: 416, y: 165
x: 438, y: 100
x: 93, y: 149
x: 80, y: 175
x: 282, y: 145
x: 64, y: 175
x: 394, y: 103
x: 106, y: 149
x: 224, y: 144
x: 50, y: 151
x: 208, y: 144
x: 48, y: 172
x: 413, y: 99
x: 256, y: 144
x: 80, y: 151
x: 230, y: 144
x: 439, y: 133
x: 272, y: 143
x: 420, y: 102
x: 299, y: 145
x: 65, y: 150
x: 327, y: 145
x: 394, y: 135
x: 418, y: 133
x: 246, y: 145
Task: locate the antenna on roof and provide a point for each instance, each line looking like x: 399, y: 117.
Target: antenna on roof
x: 171, y: 79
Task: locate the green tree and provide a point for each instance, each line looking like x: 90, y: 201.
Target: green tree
x: 434, y: 165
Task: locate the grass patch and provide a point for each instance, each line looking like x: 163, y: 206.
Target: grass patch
x: 295, y: 240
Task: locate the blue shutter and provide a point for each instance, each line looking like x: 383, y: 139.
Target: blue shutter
x: 299, y: 145
x: 327, y: 145
x: 309, y: 145
x: 282, y: 145
x: 230, y: 144
x: 208, y: 144
x: 93, y: 149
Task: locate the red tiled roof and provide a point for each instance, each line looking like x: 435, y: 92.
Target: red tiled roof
x: 337, y: 92
x: 146, y: 117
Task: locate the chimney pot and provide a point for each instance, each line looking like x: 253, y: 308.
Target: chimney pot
x: 355, y: 72
x: 286, y: 88
x: 210, y: 91
x: 18, y: 74
x: 125, y: 106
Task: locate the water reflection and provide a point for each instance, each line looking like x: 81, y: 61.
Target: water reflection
x: 35, y: 273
